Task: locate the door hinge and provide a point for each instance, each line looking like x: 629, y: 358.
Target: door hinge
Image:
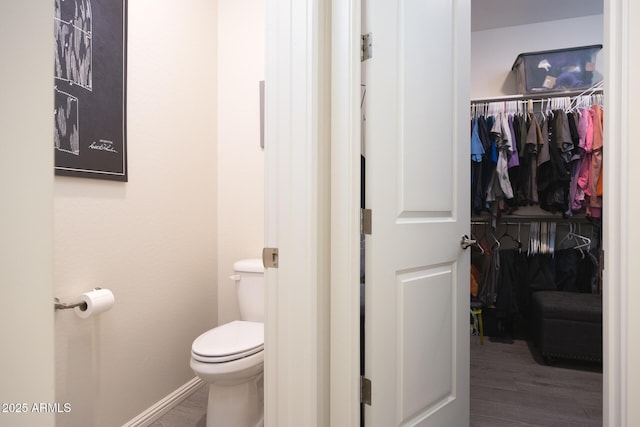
x: 365, y: 221
x: 365, y: 391
x: 270, y: 257
x: 366, y: 46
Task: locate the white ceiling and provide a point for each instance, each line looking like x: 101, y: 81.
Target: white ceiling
x: 487, y: 14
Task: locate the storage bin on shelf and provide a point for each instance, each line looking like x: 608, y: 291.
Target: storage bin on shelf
x: 557, y: 70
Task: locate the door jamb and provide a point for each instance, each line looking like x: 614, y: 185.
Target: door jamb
x: 297, y: 173
x: 345, y: 213
x: 619, y: 90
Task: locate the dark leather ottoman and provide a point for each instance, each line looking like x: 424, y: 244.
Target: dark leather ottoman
x: 567, y: 325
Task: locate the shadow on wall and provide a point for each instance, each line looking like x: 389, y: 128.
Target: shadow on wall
x: 509, y: 85
x: 78, y: 375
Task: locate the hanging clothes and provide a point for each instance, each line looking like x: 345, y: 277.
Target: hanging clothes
x: 551, y: 159
x: 576, y: 271
x: 488, y: 291
x: 533, y: 143
x: 483, y: 161
x: 517, y: 171
x: 477, y: 157
x: 499, y: 185
x: 509, y: 279
x: 595, y: 170
x: 575, y: 164
x: 545, y: 176
x: 491, y: 155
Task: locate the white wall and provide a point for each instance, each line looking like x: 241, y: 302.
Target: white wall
x: 241, y: 34
x: 26, y: 226
x: 493, y: 52
x: 152, y: 241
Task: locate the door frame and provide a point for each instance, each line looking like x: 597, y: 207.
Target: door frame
x: 620, y: 346
x: 297, y: 207
x: 621, y: 379
x: 345, y: 213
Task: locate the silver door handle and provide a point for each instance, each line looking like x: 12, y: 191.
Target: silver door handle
x: 465, y: 242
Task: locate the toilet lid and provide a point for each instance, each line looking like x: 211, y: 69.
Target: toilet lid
x: 230, y: 341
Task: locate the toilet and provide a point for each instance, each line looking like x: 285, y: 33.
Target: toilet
x: 230, y: 357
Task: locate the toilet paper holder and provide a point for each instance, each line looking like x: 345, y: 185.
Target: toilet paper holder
x: 64, y: 306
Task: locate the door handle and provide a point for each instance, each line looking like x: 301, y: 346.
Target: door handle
x: 465, y: 242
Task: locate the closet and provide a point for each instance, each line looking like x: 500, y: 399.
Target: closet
x: 536, y: 198
x: 536, y: 226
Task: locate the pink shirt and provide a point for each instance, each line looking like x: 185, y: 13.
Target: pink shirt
x: 595, y: 168
x: 586, y: 123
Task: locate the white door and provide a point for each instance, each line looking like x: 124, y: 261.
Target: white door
x: 417, y: 275
x: 26, y: 219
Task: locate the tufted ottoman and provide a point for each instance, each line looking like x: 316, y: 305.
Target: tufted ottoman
x: 567, y: 325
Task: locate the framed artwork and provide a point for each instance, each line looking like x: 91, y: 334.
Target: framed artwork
x: 90, y: 88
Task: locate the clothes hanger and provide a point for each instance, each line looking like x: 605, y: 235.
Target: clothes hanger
x: 585, y: 98
x: 583, y: 242
x: 513, y: 239
x: 567, y: 237
x: 496, y: 242
x: 546, y: 238
x: 580, y: 242
x: 520, y: 250
x: 534, y: 238
x: 513, y: 107
x: 484, y: 238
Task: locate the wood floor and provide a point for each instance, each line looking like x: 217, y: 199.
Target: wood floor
x: 510, y: 387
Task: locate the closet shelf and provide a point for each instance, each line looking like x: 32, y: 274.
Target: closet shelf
x: 533, y: 213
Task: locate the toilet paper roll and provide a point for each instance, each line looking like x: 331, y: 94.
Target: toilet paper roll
x: 97, y: 301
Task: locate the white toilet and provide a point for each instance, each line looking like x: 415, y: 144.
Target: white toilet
x: 230, y: 357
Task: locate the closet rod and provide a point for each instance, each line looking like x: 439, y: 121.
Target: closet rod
x: 508, y: 223
x: 566, y: 94
x: 559, y: 221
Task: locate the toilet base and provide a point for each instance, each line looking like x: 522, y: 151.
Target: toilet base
x: 240, y: 405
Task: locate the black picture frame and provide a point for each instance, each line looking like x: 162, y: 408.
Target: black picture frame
x: 90, y: 63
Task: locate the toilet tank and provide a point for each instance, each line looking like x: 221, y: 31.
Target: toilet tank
x: 249, y: 277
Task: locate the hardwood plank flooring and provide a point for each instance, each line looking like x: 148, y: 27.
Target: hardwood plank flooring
x: 510, y: 387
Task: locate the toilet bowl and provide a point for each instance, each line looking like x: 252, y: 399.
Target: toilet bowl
x: 230, y: 357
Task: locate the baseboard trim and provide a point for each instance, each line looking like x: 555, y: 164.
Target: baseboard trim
x: 164, y: 405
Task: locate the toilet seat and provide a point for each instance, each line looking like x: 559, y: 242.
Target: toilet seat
x: 228, y: 342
